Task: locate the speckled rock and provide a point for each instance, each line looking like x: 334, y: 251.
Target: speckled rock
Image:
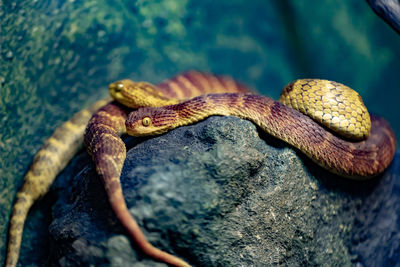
x: 221, y: 193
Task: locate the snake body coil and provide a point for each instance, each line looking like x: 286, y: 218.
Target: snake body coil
x: 356, y: 160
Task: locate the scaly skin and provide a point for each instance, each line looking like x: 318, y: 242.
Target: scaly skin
x: 332, y: 104
x: 108, y: 150
x: 357, y: 160
x: 54, y: 155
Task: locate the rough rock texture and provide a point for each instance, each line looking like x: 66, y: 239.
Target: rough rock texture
x: 217, y: 194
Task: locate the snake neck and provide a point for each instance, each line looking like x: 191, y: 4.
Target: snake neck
x: 244, y: 106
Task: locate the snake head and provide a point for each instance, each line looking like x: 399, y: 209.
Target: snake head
x: 151, y: 121
x: 138, y: 94
x: 116, y: 91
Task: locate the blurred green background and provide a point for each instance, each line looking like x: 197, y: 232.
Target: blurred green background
x: 59, y: 56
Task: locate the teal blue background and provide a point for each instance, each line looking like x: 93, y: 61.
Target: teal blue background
x: 59, y: 56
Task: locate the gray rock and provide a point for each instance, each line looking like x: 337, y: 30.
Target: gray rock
x: 222, y: 193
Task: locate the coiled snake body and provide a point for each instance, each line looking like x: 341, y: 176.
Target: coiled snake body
x: 348, y: 158
x: 357, y: 160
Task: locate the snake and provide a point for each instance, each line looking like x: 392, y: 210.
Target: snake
x: 171, y: 104
x: 99, y: 127
x: 350, y: 156
x: 348, y: 116
x: 47, y: 163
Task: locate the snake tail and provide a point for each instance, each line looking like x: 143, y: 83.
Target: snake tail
x: 54, y: 155
x: 357, y: 160
x: 108, y: 151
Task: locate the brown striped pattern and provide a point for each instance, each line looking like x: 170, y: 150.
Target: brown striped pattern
x: 194, y: 83
x: 357, y: 160
x: 104, y: 144
x: 54, y: 155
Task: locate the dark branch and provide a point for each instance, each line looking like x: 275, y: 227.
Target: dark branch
x: 388, y: 10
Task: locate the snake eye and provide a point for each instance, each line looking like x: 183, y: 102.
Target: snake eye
x: 119, y: 87
x: 116, y: 87
x: 146, y: 121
